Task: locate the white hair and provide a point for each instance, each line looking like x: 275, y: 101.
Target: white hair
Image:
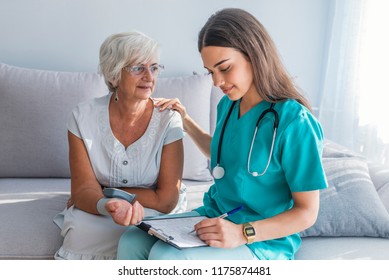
x: 123, y: 49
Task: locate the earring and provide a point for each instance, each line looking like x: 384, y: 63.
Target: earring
x: 116, y: 98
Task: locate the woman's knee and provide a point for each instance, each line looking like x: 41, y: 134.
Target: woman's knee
x: 164, y: 251
x: 135, y: 244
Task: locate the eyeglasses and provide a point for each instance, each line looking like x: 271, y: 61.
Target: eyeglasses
x: 140, y: 70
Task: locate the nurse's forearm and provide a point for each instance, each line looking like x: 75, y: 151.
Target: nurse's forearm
x: 199, y: 136
x: 284, y: 224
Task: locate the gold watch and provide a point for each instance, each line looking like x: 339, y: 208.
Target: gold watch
x: 249, y: 232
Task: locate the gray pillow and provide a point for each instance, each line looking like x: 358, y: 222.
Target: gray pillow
x: 379, y: 174
x: 350, y: 206
x: 334, y: 150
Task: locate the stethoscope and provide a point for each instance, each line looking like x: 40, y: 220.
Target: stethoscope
x: 218, y: 171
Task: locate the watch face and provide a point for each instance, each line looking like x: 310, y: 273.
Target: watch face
x: 250, y: 231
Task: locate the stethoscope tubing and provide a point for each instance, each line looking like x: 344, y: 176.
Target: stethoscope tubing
x: 218, y: 171
x: 219, y: 148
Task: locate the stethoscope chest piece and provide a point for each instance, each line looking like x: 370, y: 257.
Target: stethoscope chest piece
x: 218, y: 172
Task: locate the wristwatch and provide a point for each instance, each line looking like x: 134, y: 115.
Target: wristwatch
x: 249, y: 232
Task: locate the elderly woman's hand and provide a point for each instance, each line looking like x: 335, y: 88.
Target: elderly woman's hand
x: 125, y: 213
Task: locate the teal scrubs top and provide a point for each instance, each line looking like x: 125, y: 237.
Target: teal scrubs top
x: 295, y: 166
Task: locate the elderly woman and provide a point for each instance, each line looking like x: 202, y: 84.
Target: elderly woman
x: 121, y: 141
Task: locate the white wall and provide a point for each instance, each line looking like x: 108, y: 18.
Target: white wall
x: 65, y: 35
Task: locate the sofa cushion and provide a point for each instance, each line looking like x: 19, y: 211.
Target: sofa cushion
x: 194, y: 92
x: 36, y: 104
x: 34, y: 108
x: 343, y: 248
x: 350, y: 206
x: 195, y: 192
x: 27, y: 209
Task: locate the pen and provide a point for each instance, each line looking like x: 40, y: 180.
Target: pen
x: 233, y: 211
x: 152, y: 231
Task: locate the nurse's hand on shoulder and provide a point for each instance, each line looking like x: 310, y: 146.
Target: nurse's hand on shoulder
x: 220, y: 233
x: 125, y: 213
x: 173, y: 104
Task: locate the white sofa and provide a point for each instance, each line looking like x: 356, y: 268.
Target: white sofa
x: 353, y: 221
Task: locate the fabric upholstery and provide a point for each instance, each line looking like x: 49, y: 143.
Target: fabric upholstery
x: 380, y: 177
x: 194, y: 92
x: 350, y: 206
x: 34, y: 108
x: 36, y: 104
x: 27, y: 209
x: 343, y: 248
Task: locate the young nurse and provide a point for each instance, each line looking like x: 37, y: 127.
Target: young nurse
x: 265, y: 153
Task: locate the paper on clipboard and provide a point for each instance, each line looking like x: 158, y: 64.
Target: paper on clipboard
x: 175, y: 231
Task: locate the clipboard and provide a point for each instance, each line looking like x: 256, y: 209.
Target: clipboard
x: 175, y: 231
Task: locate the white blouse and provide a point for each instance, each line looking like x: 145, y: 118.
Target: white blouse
x: 115, y: 165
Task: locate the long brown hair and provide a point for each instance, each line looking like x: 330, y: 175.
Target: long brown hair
x: 238, y: 29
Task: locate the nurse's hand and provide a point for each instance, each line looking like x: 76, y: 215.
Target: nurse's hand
x: 220, y: 233
x: 173, y: 104
x: 125, y: 213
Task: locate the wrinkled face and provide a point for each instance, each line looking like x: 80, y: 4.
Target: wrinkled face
x: 138, y: 81
x: 230, y: 71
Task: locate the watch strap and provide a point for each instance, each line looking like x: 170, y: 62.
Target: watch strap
x: 249, y: 232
